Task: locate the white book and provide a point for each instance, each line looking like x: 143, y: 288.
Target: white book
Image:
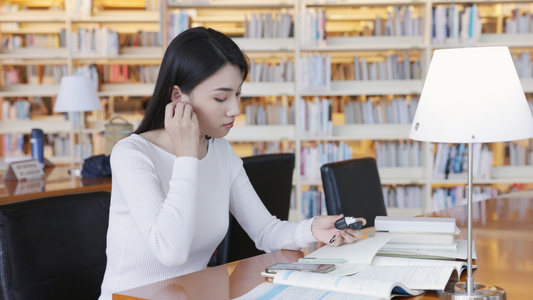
x: 415, y: 224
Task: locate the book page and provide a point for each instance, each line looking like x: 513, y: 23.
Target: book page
x: 403, y: 261
x: 360, y: 252
x: 271, y: 291
x: 346, y: 284
x: 414, y: 277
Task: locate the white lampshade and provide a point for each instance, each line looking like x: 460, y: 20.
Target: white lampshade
x: 472, y: 95
x: 77, y: 93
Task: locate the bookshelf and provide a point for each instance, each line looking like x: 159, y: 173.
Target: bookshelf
x: 391, y: 40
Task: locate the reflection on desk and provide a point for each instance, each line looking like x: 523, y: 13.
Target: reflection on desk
x: 57, y: 181
x: 503, y: 232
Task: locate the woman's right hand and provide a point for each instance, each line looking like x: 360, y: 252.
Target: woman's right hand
x: 181, y: 125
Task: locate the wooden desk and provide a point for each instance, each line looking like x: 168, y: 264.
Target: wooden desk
x: 57, y: 181
x: 503, y: 232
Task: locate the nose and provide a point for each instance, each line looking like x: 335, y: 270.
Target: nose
x: 234, y: 107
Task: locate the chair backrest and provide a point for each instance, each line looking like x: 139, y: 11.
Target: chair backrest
x: 54, y: 247
x: 353, y: 188
x: 271, y: 177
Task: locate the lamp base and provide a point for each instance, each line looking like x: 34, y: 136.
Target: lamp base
x: 457, y: 291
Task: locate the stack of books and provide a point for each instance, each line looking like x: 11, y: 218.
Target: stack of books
x: 420, y: 236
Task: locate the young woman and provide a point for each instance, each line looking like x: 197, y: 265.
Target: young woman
x: 176, y: 178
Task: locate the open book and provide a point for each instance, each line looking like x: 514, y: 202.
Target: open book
x: 307, y: 285
x: 387, y: 277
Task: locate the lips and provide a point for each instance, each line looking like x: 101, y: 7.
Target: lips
x: 229, y: 125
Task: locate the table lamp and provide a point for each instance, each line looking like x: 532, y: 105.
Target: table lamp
x: 77, y: 94
x: 472, y: 95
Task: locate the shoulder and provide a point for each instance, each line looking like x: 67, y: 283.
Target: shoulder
x: 131, y: 142
x: 132, y: 148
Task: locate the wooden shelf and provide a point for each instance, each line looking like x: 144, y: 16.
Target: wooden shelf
x: 230, y: 4
x: 117, y: 16
x: 34, y: 16
x: 371, y: 87
x: 22, y: 90
x: 255, y: 133
x: 34, y: 53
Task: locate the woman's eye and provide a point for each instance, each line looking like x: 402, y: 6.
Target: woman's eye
x: 220, y: 100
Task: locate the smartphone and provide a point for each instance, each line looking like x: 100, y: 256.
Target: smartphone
x: 319, y: 268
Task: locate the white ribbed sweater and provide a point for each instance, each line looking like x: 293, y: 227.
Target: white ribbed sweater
x: 169, y: 214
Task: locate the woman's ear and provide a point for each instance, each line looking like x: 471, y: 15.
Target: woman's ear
x: 176, y: 94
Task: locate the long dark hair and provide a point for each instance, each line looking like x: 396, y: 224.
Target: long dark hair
x: 191, y: 57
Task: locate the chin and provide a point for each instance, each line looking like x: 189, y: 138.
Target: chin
x: 218, y: 135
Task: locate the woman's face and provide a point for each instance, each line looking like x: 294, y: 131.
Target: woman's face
x: 216, y: 101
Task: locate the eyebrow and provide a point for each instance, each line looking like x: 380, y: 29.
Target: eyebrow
x: 225, y: 89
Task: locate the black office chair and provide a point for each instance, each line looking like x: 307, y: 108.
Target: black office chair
x: 54, y: 247
x: 353, y: 188
x: 271, y: 177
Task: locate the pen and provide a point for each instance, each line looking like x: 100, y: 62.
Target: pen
x: 312, y: 260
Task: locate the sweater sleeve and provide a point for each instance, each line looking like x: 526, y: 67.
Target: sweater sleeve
x: 162, y: 219
x: 268, y: 232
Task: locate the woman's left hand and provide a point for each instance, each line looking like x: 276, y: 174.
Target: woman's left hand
x: 323, y: 229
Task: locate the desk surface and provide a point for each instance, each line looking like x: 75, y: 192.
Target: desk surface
x: 57, y: 181
x: 503, y: 233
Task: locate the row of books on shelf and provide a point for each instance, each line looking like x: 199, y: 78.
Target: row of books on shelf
x: 269, y: 114
x: 393, y: 67
x: 313, y: 202
x: 390, y: 67
x: 523, y: 64
x: 140, y: 39
x: 314, y: 156
x: 518, y: 154
x: 451, y: 161
x: 179, y: 21
x: 380, y: 110
x: 455, y: 24
x: 443, y: 198
x: 16, y: 110
x: 315, y: 72
x: 312, y: 27
x: 398, y: 153
x: 90, y: 71
x: 400, y: 21
x: 519, y: 22
x: 13, y: 144
x: 315, y: 117
x: 282, y: 71
x: 128, y: 73
x: 34, y: 74
x: 400, y: 196
x: 94, y: 42
x: 31, y: 40
x: 268, y: 25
